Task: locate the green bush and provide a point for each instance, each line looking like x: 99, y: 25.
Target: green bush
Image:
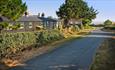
x: 45, y: 37
x: 3, y: 25
x: 11, y: 43
x: 108, y: 22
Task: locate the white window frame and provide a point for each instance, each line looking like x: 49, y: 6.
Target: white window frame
x: 22, y: 25
x: 30, y: 24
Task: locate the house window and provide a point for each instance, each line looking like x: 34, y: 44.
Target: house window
x: 48, y: 24
x: 30, y: 24
x: 22, y: 25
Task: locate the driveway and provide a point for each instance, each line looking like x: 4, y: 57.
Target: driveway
x: 74, y: 55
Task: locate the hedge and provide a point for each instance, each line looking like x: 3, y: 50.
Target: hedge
x: 45, y: 37
x: 11, y: 43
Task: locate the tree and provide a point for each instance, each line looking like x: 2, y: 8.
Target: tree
x: 12, y: 9
x: 76, y: 9
x: 108, y: 22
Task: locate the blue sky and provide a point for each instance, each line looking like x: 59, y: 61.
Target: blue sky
x: 106, y: 8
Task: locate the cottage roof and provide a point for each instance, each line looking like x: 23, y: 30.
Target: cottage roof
x: 35, y: 18
x: 29, y: 19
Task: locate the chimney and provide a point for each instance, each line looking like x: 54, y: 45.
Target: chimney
x: 38, y: 14
x: 26, y: 13
x: 42, y: 15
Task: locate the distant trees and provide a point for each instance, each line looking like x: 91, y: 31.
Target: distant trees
x: 12, y: 9
x: 108, y: 22
x: 76, y: 9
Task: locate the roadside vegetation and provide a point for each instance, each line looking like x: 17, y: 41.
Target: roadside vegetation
x: 105, y: 56
x: 108, y: 24
x: 71, y: 10
x: 12, y: 43
x: 18, y: 47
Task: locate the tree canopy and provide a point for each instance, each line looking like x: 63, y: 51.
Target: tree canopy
x: 12, y: 9
x: 76, y: 9
x: 108, y: 22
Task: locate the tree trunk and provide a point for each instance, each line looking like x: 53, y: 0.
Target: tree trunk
x: 66, y: 23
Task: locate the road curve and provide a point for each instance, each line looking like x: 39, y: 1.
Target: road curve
x: 74, y: 55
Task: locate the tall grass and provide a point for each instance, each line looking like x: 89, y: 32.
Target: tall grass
x: 105, y: 56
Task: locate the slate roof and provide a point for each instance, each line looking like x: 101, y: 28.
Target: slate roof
x: 35, y: 18
x: 29, y: 19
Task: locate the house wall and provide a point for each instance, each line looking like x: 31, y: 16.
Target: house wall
x: 37, y: 24
x: 49, y: 24
x: 31, y: 26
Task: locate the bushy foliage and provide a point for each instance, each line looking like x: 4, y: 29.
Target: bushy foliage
x: 11, y: 43
x: 76, y: 9
x: 108, y: 22
x: 74, y: 28
x: 3, y: 25
x: 15, y: 27
x: 45, y: 37
x: 86, y: 21
x: 12, y: 9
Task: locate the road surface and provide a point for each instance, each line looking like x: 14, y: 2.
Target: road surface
x: 74, y: 55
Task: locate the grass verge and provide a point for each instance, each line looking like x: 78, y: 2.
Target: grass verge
x: 105, y: 56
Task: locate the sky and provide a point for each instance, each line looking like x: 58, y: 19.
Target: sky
x: 106, y: 8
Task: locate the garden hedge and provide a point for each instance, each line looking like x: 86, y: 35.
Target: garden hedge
x: 11, y: 43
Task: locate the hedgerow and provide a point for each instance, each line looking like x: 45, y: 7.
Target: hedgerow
x: 12, y: 43
x: 45, y: 37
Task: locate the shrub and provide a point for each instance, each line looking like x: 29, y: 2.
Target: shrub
x: 3, y: 25
x: 15, y: 27
x: 107, y: 23
x: 45, y: 37
x: 11, y: 43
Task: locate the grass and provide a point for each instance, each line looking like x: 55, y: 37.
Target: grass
x: 105, y: 56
